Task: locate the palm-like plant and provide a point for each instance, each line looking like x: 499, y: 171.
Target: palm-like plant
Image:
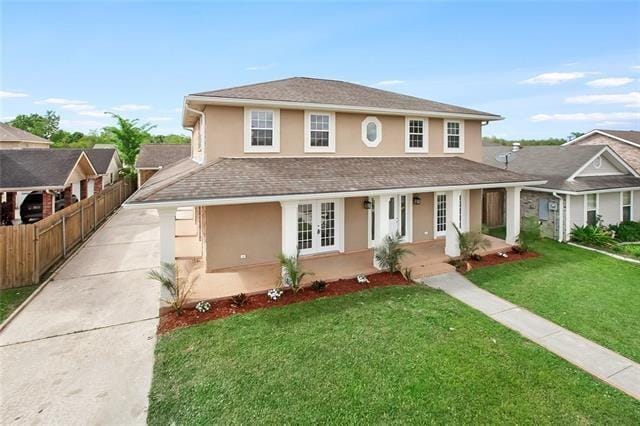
x: 390, y: 253
x: 292, y: 273
x: 470, y: 242
x: 128, y: 136
x: 178, y: 283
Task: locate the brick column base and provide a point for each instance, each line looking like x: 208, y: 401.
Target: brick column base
x: 83, y: 189
x: 97, y: 185
x: 47, y: 204
x: 68, y: 196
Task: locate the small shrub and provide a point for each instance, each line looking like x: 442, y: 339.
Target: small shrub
x: 407, y: 273
x: 390, y: 253
x: 530, y: 232
x: 239, y: 299
x: 179, y: 283
x: 319, y: 286
x: 362, y: 279
x: 203, y: 306
x: 470, y: 243
x: 626, y: 231
x: 274, y: 294
x: 592, y: 236
x: 292, y: 274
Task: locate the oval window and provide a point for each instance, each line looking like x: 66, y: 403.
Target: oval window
x: 372, y: 132
x: 597, y: 163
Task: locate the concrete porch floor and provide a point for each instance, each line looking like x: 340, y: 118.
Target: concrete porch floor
x: 428, y: 259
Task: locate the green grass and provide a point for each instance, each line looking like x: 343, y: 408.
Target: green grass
x: 11, y: 298
x: 498, y: 232
x: 629, y: 250
x: 589, y: 293
x: 389, y: 355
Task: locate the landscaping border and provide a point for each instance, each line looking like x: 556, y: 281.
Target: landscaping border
x: 615, y: 256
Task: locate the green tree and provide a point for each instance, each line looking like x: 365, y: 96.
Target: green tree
x: 574, y: 135
x: 128, y: 135
x: 170, y: 139
x: 40, y: 125
x: 64, y: 139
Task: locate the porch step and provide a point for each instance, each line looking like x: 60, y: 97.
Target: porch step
x: 431, y: 270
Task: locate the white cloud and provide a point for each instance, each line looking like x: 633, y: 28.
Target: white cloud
x: 613, y: 123
x: 555, y: 77
x: 78, y: 107
x: 636, y: 67
x: 592, y: 116
x: 7, y: 118
x: 131, y: 107
x: 60, y: 101
x: 631, y: 99
x: 388, y: 82
x: 159, y: 119
x: 6, y: 94
x: 260, y: 67
x: 93, y: 113
x: 610, y: 82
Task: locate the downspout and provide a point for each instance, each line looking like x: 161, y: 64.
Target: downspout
x: 202, y: 127
x: 560, y: 214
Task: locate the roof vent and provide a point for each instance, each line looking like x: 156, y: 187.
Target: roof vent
x: 515, y: 146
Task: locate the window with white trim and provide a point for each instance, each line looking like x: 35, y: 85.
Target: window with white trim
x: 416, y: 134
x: 262, y: 128
x: 371, y: 132
x: 626, y: 206
x: 591, y: 209
x: 453, y: 136
x: 319, y: 132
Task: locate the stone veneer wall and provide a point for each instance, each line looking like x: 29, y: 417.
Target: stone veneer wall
x: 529, y: 207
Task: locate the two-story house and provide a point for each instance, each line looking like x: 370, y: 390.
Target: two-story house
x: 324, y: 166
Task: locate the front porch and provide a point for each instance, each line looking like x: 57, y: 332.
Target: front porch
x: 428, y: 259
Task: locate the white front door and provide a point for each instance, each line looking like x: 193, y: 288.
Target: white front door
x: 318, y: 226
x: 399, y: 218
x: 440, y: 215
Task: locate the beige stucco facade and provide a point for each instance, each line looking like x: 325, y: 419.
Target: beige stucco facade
x: 22, y: 145
x: 225, y: 129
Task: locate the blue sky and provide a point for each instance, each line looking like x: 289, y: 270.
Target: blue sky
x: 549, y: 68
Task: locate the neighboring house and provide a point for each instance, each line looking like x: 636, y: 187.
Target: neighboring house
x: 107, y: 164
x: 325, y: 166
x: 584, y: 184
x: 14, y: 138
x: 153, y: 157
x: 624, y: 142
x: 51, y: 171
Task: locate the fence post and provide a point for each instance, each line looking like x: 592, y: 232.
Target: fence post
x: 36, y: 254
x: 95, y: 211
x: 64, y: 236
x: 82, y: 221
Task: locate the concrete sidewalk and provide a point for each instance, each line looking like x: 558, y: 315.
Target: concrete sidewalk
x: 597, y: 360
x: 81, y: 352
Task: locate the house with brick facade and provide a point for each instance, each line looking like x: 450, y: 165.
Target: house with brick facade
x: 328, y: 169
x: 624, y: 142
x: 586, y: 184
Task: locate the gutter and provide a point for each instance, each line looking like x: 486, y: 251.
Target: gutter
x: 560, y: 215
x: 201, y: 142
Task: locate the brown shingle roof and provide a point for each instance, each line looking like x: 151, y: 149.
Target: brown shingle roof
x: 30, y: 168
x: 261, y: 177
x: 628, y: 135
x: 12, y: 134
x: 157, y: 155
x: 335, y: 92
x: 100, y: 158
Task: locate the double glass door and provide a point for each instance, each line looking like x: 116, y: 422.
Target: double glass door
x: 317, y: 226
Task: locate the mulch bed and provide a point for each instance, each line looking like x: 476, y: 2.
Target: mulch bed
x: 494, y: 259
x: 225, y: 308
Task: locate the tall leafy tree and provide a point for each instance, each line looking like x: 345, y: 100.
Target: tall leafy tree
x: 40, y: 125
x: 128, y: 135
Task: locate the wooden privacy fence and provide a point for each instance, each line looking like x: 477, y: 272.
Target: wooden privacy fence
x: 27, y: 252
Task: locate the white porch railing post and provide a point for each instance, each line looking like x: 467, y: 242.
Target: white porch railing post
x: 381, y: 225
x: 167, y: 234
x: 289, y: 227
x: 513, y: 214
x: 451, y: 246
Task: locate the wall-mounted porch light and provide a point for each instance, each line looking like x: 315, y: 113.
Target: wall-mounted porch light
x: 367, y: 204
x: 417, y: 201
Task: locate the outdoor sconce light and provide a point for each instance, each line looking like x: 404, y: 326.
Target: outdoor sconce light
x: 417, y: 201
x: 367, y: 204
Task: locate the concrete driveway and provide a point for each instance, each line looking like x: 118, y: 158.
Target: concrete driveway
x: 82, y: 351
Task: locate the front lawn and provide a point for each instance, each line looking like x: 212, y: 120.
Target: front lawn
x: 11, y: 298
x: 404, y: 354
x: 589, y: 293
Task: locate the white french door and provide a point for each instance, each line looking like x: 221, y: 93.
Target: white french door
x: 440, y: 214
x: 318, y: 226
x: 399, y: 217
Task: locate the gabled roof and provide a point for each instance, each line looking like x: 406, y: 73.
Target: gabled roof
x: 263, y: 178
x: 631, y: 137
x: 12, y: 134
x: 559, y: 165
x: 30, y: 169
x: 158, y: 155
x: 328, y: 93
x: 101, y: 158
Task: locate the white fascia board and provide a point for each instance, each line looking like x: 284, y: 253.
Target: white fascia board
x: 31, y: 188
x: 148, y: 168
x: 322, y: 195
x: 600, y: 132
x: 597, y: 191
x: 213, y: 100
x: 602, y: 151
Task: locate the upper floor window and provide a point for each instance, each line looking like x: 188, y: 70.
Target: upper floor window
x: 319, y: 132
x: 371, y: 132
x: 453, y: 136
x: 626, y: 206
x: 416, y: 139
x: 262, y: 130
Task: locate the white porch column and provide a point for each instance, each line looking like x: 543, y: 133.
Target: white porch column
x: 513, y: 214
x: 167, y: 234
x: 289, y: 228
x: 381, y: 225
x: 451, y: 247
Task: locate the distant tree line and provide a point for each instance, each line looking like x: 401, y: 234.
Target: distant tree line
x: 493, y: 140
